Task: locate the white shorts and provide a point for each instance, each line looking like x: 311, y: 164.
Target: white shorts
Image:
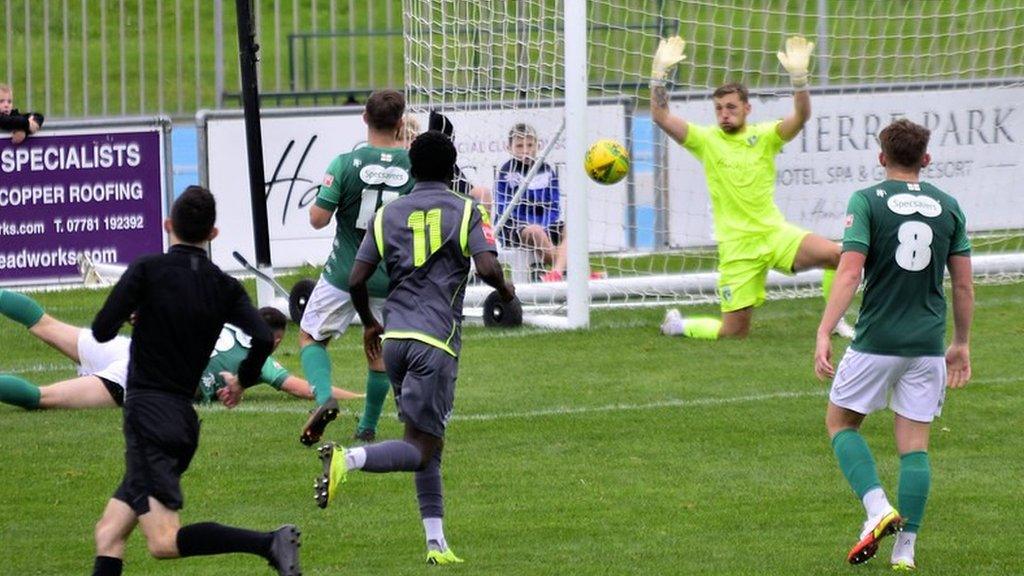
x: 917, y: 384
x: 108, y: 360
x: 329, y: 311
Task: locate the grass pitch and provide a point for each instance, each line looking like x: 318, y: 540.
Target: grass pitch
x: 609, y: 451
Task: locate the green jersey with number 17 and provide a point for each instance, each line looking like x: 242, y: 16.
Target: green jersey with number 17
x: 355, y: 186
x: 907, y: 231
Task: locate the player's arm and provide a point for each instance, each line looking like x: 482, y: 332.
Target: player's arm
x: 481, y: 245
x: 261, y: 338
x: 848, y: 274
x: 121, y: 303
x: 958, y: 356
x: 668, y: 54
x: 319, y: 217
x: 300, y: 388
x: 369, y: 255
x: 328, y: 197
x: 796, y: 59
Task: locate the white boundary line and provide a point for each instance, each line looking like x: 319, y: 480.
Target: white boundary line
x: 299, y: 408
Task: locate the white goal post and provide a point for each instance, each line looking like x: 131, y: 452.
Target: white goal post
x: 956, y: 67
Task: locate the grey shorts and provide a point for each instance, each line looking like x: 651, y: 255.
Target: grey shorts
x: 423, y: 378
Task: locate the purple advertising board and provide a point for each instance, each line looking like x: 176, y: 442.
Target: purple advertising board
x: 65, y: 194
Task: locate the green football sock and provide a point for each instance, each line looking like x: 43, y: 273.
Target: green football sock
x: 316, y: 365
x: 377, y: 386
x: 20, y: 308
x: 18, y: 392
x: 856, y: 461
x: 701, y: 327
x: 915, y: 481
x: 827, y: 277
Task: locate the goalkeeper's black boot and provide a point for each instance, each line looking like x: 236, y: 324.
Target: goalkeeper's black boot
x: 318, y: 421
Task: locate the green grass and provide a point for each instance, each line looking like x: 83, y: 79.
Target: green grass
x: 609, y: 451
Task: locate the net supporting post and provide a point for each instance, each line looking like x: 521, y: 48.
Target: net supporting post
x: 578, y: 264
x: 822, y: 40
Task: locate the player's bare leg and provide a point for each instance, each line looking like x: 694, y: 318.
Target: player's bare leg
x: 816, y: 252
x: 167, y: 538
x: 82, y: 392
x: 111, y: 534
x: 736, y: 323
x: 536, y: 238
x: 62, y: 336
x: 819, y: 252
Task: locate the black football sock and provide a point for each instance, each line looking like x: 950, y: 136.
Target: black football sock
x: 206, y: 538
x: 107, y: 566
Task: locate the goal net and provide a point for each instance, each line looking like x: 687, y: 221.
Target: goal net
x: 498, y: 70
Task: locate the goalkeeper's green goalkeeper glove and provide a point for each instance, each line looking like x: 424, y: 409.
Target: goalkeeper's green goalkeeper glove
x: 669, y: 53
x: 797, y: 60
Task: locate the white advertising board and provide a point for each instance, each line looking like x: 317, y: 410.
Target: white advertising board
x: 977, y: 151
x: 297, y: 150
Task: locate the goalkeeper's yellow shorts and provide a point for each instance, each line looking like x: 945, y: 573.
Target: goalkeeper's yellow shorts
x: 743, y: 264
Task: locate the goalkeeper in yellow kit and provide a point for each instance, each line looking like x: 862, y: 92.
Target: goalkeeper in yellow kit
x: 739, y: 164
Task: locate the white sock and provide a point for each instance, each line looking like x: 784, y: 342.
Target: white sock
x: 875, y: 502
x: 434, y: 529
x: 355, y: 458
x: 903, y: 549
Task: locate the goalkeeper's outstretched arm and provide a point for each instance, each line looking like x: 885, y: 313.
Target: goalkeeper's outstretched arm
x: 796, y: 59
x: 669, y: 53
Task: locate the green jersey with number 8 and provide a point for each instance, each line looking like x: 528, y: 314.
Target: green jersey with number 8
x: 355, y: 186
x: 907, y: 231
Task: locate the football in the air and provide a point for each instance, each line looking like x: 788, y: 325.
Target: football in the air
x: 606, y: 161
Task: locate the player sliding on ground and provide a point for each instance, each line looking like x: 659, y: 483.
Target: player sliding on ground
x: 103, y: 368
x: 739, y: 164
x: 902, y: 234
x: 422, y: 331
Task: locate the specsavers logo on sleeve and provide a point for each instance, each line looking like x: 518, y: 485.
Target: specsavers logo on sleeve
x: 907, y: 204
x: 392, y: 176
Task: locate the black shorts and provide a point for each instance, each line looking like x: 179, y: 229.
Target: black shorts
x: 115, y: 390
x: 511, y: 233
x: 423, y: 379
x: 161, y: 434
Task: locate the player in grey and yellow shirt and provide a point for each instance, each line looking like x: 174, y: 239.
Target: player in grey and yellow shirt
x: 355, y: 186
x: 903, y: 234
x: 425, y: 240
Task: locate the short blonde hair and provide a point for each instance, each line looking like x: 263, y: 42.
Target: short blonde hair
x: 410, y: 128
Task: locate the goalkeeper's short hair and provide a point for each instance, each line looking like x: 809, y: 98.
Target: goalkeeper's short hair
x: 732, y: 88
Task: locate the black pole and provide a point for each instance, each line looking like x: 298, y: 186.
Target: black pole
x: 247, y: 49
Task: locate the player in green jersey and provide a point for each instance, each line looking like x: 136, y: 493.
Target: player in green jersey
x: 103, y: 367
x: 739, y: 164
x: 902, y: 234
x: 356, y: 184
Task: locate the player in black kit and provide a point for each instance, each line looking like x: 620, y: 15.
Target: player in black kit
x: 181, y: 301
